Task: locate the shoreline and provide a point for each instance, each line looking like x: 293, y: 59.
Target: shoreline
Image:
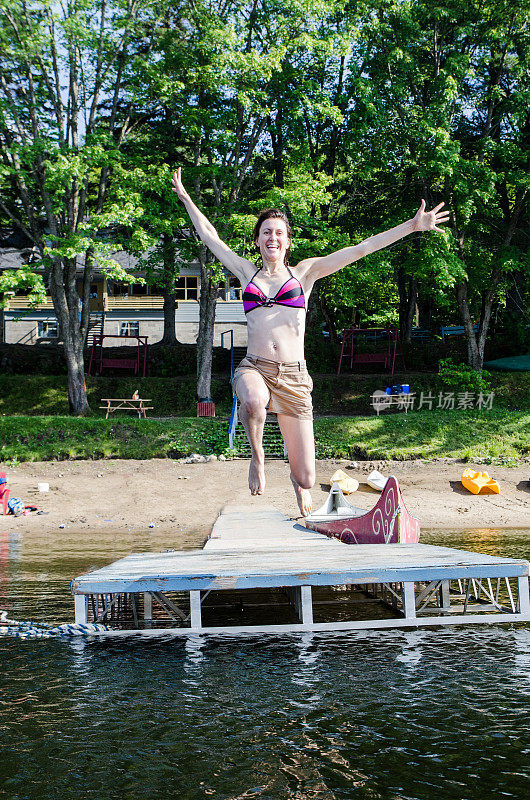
x: 182, y: 500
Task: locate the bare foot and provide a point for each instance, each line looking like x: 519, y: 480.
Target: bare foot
x: 256, y: 475
x: 303, y: 498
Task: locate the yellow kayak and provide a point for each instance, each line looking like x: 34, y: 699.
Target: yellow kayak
x: 479, y: 482
x: 347, y: 485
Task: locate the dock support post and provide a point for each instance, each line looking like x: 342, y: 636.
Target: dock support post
x: 195, y: 609
x: 148, y: 605
x: 409, y: 600
x: 307, y: 605
x: 445, y: 598
x: 524, y: 598
x: 81, y: 608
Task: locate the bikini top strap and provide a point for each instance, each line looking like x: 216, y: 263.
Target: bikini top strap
x: 252, y: 279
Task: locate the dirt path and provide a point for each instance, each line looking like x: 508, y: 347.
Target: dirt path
x: 185, y: 499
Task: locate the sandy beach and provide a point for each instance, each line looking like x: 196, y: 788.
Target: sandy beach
x: 168, y: 497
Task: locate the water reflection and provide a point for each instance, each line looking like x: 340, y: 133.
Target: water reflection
x: 411, y: 652
x: 369, y: 714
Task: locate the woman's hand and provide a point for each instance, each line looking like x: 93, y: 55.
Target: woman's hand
x: 178, y: 186
x: 429, y: 220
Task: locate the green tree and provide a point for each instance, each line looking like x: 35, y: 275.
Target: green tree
x: 441, y: 107
x: 65, y: 112
x: 222, y: 103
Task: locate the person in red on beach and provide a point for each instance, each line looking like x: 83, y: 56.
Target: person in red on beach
x: 275, y: 296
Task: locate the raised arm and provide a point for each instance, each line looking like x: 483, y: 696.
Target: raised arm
x: 315, y: 268
x: 240, y: 267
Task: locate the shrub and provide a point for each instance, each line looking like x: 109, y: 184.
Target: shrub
x: 461, y: 377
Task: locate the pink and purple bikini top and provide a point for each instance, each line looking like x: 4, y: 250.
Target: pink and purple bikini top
x: 290, y: 294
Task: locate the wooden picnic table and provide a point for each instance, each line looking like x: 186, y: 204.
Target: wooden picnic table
x: 405, y: 400
x: 126, y: 404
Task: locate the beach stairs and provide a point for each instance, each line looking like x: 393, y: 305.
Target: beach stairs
x: 272, y: 439
x: 240, y: 352
x: 96, y: 323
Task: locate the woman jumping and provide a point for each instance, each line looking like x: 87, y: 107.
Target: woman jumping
x: 275, y: 297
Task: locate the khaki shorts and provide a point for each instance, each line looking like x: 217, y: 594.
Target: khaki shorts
x: 289, y: 385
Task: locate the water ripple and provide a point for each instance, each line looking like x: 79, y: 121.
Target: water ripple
x: 395, y: 715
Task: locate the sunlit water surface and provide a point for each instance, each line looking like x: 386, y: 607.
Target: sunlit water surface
x: 436, y: 713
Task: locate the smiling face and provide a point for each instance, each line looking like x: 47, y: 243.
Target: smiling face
x: 273, y: 240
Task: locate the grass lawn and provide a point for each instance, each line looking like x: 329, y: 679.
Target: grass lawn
x: 34, y: 421
x: 496, y: 433
x: 343, y: 395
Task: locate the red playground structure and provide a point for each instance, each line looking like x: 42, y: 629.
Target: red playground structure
x: 98, y: 363
x: 353, y: 338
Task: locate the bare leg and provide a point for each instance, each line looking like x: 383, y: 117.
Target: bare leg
x: 253, y: 397
x: 300, y: 442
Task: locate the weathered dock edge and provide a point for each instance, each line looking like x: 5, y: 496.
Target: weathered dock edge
x: 419, y: 583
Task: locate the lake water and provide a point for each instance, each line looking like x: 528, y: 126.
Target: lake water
x: 390, y: 714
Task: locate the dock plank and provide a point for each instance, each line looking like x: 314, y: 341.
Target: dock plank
x: 268, y: 528
x: 312, y: 565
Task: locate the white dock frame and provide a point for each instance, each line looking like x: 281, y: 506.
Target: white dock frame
x: 421, y: 585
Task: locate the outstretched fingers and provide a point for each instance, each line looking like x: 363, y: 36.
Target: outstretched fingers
x: 176, y: 180
x: 178, y: 186
x: 439, y: 220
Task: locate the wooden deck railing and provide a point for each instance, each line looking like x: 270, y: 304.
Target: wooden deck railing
x: 22, y: 303
x: 134, y: 302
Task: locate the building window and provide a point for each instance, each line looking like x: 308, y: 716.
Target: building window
x: 232, y: 291
x: 139, y: 289
x: 187, y: 288
x: 129, y: 329
x: 118, y: 289
x: 48, y: 330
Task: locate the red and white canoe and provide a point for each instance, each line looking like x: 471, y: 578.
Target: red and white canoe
x: 388, y: 522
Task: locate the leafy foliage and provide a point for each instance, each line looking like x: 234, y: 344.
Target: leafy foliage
x: 460, y: 377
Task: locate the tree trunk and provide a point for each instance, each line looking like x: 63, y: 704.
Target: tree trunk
x: 326, y: 313
x: 75, y: 363
x: 412, y: 309
x: 515, y: 302
x: 475, y: 343
x: 408, y: 298
x: 66, y: 305
x: 169, y: 336
x: 77, y: 399
x: 207, y: 303
x: 425, y: 309
x: 276, y: 134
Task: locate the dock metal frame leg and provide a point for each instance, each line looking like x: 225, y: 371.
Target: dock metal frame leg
x: 81, y: 608
x: 524, y: 597
x: 409, y: 600
x: 445, y: 597
x: 148, y: 606
x: 306, y: 602
x: 195, y: 609
x: 301, y: 598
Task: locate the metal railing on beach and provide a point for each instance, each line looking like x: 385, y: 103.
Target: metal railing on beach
x: 225, y: 333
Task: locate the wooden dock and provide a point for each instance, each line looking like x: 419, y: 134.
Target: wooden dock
x: 263, y: 560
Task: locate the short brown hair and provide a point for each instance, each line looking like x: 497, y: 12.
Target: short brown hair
x: 273, y: 213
